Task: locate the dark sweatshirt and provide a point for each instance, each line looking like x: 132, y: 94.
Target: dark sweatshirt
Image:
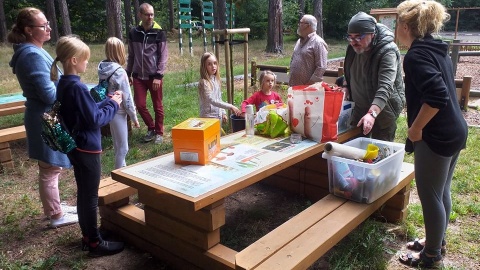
x: 429, y: 79
x: 81, y: 115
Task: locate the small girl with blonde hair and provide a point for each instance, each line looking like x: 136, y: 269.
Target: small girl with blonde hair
x: 266, y: 95
x: 209, y: 92
x: 111, y: 70
x: 83, y: 117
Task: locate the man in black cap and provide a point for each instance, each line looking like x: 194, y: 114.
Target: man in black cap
x: 373, y: 77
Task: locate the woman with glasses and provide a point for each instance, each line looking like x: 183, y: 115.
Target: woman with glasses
x: 31, y: 64
x: 373, y: 77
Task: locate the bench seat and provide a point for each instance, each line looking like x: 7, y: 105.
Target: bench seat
x: 300, y: 241
x: 7, y: 135
x: 111, y: 192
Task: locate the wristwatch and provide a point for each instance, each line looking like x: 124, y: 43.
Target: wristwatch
x: 373, y: 113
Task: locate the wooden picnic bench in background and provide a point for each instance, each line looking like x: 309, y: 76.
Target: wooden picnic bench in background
x: 11, y: 133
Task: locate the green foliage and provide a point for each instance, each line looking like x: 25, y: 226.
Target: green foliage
x: 254, y: 15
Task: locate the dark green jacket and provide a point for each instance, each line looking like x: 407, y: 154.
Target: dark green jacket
x: 386, y: 93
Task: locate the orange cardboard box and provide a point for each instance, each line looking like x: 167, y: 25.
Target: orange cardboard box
x: 196, y: 140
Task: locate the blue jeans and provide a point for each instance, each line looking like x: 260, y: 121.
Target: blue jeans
x: 87, y: 169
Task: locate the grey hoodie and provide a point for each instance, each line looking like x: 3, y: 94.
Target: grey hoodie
x: 118, y: 81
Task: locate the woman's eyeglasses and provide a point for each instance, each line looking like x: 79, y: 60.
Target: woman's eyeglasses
x: 357, y: 39
x: 44, y: 26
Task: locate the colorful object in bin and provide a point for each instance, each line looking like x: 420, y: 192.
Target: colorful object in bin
x: 269, y: 121
x: 361, y: 181
x: 343, y: 150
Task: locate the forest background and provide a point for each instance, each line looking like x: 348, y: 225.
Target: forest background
x: 95, y: 20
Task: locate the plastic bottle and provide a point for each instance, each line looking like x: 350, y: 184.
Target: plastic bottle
x: 249, y: 121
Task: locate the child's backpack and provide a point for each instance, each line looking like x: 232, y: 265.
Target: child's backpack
x: 99, y: 92
x: 54, y: 133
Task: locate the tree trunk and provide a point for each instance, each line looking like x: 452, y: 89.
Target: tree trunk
x: 52, y: 17
x: 114, y: 20
x: 65, y: 15
x: 220, y: 12
x: 275, y: 27
x: 128, y: 16
x: 3, y: 24
x: 318, y: 13
x: 301, y: 9
x: 136, y: 7
x: 171, y: 15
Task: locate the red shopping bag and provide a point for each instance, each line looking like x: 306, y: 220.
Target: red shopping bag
x: 314, y: 111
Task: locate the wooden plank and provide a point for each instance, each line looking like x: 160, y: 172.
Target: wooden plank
x: 12, y: 134
x: 399, y: 201
x: 12, y: 110
x: 266, y: 246
x: 163, y: 254
x: 222, y: 254
x: 316, y: 163
x: 4, y: 145
x: 305, y: 249
x: 114, y: 192
x: 12, y: 104
x: 5, y: 155
x: 131, y: 219
x: 285, y: 183
x: 392, y: 215
x: 315, y: 193
x: 207, y: 219
x: 106, y: 181
x: 200, y: 238
x: 317, y: 179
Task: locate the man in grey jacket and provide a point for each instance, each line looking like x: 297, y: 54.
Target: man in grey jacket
x: 373, y: 77
x: 146, y: 63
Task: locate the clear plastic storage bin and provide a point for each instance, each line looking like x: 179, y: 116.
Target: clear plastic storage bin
x: 365, y: 182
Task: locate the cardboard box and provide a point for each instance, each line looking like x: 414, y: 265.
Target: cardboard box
x: 364, y: 182
x: 196, y: 140
x: 345, y: 119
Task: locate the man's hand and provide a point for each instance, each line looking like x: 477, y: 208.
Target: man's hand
x: 156, y: 84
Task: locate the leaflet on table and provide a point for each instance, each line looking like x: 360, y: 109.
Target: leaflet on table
x: 233, y: 162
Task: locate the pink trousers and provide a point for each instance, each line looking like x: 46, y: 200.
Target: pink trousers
x: 48, y: 188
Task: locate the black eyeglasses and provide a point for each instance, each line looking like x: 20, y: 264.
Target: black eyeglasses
x: 44, y: 26
x: 357, y: 39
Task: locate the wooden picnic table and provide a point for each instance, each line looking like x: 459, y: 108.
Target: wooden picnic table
x: 183, y: 212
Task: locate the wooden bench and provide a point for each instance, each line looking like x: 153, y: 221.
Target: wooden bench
x: 7, y: 135
x: 12, y: 108
x: 303, y: 239
x: 113, y: 193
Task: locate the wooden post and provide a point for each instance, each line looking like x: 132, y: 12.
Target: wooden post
x: 454, y: 56
x: 253, y: 73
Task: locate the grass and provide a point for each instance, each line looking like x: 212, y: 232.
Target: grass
x: 365, y: 248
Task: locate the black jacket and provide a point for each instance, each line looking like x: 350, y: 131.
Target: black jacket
x: 429, y: 79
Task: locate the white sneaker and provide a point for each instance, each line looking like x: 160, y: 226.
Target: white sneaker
x: 158, y: 139
x: 68, y: 209
x: 67, y: 219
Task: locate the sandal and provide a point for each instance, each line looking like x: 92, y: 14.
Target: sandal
x: 423, y: 261
x: 417, y: 245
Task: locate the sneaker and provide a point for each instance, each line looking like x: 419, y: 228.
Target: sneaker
x: 68, y: 209
x: 149, y: 136
x: 67, y: 219
x: 158, y: 139
x: 105, y: 248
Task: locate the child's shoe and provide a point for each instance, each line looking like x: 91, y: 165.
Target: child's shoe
x: 66, y: 219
